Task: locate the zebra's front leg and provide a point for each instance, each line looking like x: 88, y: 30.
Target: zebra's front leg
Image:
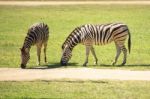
x: 118, y: 51
x: 94, y: 54
x: 87, y: 55
x: 39, y: 54
x: 45, y: 47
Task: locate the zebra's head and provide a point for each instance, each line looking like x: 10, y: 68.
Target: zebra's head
x: 25, y: 56
x: 66, y: 55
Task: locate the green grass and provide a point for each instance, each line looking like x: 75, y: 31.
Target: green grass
x: 76, y: 90
x: 71, y: 0
x: 15, y: 20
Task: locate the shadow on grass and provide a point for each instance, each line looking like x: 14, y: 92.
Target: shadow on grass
x: 52, y: 65
x: 127, y: 65
x: 58, y: 65
x: 137, y: 65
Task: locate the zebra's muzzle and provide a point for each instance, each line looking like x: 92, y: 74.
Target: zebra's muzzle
x: 23, y: 66
x: 63, y: 63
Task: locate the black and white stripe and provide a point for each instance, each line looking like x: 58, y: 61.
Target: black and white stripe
x: 38, y: 35
x: 90, y: 35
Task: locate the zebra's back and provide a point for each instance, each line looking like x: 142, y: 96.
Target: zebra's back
x: 103, y: 34
x: 38, y: 33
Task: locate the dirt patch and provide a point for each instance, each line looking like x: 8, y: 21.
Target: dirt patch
x: 17, y: 74
x: 39, y: 3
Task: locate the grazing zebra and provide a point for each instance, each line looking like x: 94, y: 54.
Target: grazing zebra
x: 102, y: 34
x: 38, y: 35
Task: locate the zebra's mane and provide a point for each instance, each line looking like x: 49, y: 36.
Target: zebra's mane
x: 68, y: 38
x: 66, y: 41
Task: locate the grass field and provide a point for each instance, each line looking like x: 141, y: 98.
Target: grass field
x: 76, y: 90
x: 15, y: 20
x: 71, y: 0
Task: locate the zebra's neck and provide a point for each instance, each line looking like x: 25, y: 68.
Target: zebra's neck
x: 72, y: 41
x: 70, y: 44
x: 27, y: 43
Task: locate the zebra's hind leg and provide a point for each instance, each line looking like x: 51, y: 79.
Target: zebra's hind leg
x: 45, y: 47
x: 87, y: 55
x: 118, y: 51
x: 94, y: 54
x: 125, y: 55
x: 39, y: 54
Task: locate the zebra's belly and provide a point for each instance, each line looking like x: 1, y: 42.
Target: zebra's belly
x: 93, y: 42
x: 102, y: 42
x: 39, y: 42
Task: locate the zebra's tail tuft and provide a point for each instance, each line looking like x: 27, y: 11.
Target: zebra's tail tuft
x: 129, y: 42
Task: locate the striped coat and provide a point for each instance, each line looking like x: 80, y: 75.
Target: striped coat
x: 90, y: 35
x: 38, y: 35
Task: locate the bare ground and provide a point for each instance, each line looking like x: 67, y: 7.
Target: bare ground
x: 39, y: 3
x: 17, y: 74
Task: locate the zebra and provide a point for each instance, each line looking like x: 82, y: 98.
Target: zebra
x: 101, y: 34
x: 38, y: 35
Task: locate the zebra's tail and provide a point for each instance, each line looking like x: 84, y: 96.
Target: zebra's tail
x: 129, y: 42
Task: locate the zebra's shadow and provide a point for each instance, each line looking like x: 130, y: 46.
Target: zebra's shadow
x: 127, y: 65
x: 53, y: 65
x: 58, y: 65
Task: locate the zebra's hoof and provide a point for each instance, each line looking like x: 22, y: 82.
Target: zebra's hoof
x: 95, y: 63
x: 123, y: 64
x: 84, y: 65
x: 113, y: 63
x: 38, y: 64
x: 23, y: 66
